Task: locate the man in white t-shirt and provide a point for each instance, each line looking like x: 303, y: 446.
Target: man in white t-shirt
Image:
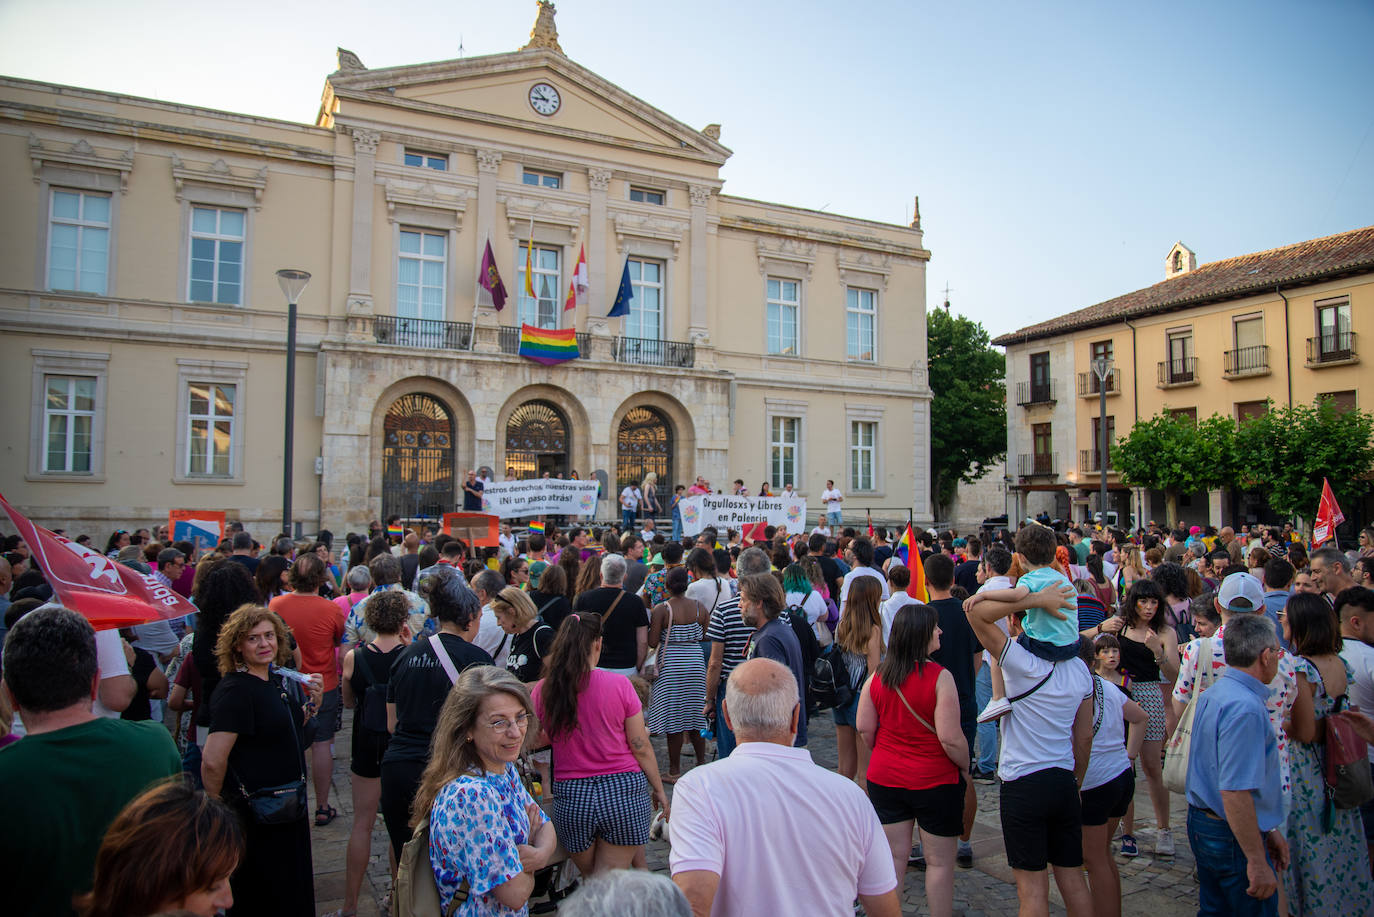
x: 898, y: 578
x: 1355, y: 607
x: 832, y: 498
x: 729, y: 815
x: 861, y: 553
x: 490, y: 636
x: 629, y: 507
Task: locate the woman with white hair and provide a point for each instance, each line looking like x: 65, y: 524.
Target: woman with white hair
x: 627, y: 893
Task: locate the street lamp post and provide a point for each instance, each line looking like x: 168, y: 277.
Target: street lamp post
x: 292, y: 284
x: 1102, y: 369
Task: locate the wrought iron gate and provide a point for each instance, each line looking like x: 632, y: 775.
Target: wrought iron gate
x: 417, y: 458
x: 537, y: 441
x: 644, y: 443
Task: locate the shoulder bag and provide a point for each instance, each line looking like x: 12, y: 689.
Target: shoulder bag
x: 449, y: 668
x: 1345, y: 761
x: 416, y: 893
x: 374, y: 695
x: 1181, y: 742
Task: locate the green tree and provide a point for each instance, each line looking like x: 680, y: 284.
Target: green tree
x: 1288, y: 450
x: 968, y: 415
x: 1172, y: 453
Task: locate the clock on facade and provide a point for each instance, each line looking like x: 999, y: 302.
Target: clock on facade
x: 544, y: 98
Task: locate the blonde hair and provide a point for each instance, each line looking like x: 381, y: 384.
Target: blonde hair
x: 235, y: 631
x: 520, y: 606
x: 452, y: 752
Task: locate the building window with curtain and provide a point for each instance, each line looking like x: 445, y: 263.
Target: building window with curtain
x: 863, y: 437
x: 542, y: 310
x: 646, y: 311
x: 217, y: 255
x: 783, y: 446
x: 861, y: 314
x: 78, y: 241
x: 210, y: 417
x: 784, y: 305
x: 68, y: 416
x: 420, y: 275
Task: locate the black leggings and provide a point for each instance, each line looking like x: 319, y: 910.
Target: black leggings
x: 400, y: 781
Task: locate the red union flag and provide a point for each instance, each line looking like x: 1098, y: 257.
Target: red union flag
x: 1329, y: 516
x: 88, y: 582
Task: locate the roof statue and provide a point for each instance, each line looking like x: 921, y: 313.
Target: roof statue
x: 545, y: 32
x: 349, y: 61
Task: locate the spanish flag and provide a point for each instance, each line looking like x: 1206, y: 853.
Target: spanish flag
x: 549, y: 346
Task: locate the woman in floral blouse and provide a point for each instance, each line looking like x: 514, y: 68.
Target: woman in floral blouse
x: 485, y: 832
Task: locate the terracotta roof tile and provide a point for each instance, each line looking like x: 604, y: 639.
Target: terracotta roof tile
x: 1306, y: 262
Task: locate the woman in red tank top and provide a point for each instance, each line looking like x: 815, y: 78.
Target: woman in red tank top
x: 909, y: 715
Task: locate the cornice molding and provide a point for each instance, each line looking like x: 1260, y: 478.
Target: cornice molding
x: 81, y: 155
x: 520, y: 210
x: 219, y: 174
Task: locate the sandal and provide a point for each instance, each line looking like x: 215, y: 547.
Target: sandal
x: 324, y: 815
x: 670, y: 777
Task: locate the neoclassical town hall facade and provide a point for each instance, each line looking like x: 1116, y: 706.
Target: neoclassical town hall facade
x: 143, y: 333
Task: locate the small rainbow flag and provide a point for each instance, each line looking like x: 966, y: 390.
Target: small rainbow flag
x: 536, y: 526
x: 907, y: 550
x: 396, y: 530
x: 549, y: 346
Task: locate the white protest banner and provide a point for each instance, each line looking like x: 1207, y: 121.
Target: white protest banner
x: 540, y: 496
x: 724, y: 511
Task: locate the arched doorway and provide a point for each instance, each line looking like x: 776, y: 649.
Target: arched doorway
x: 417, y: 458
x: 537, y: 440
x: 644, y: 443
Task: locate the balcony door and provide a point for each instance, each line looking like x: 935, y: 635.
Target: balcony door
x: 1180, y: 356
x: 1333, y: 331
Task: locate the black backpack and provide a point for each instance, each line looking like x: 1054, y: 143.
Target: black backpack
x: 828, y: 685
x: 374, y: 697
x: 810, y: 646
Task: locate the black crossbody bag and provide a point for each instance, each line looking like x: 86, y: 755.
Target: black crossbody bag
x: 285, y: 802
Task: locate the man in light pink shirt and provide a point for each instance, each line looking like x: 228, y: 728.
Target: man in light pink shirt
x: 736, y: 820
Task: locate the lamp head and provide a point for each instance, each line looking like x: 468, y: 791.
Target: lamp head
x: 293, y: 283
x: 1102, y: 367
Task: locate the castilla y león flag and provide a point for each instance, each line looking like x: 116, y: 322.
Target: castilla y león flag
x: 106, y: 593
x: 1329, y: 516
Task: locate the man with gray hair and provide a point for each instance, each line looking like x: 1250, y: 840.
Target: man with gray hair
x: 624, y: 619
x: 729, y: 817
x: 386, y: 574
x: 728, y: 636
x: 1330, y: 572
x: 626, y: 893
x: 1235, y: 797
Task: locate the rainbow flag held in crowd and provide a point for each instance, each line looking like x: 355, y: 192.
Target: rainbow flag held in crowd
x: 395, y: 530
x: 536, y: 526
x: 549, y: 346
x: 902, y: 549
x: 909, y: 554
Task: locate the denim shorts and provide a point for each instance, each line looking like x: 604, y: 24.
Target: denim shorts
x: 848, y: 715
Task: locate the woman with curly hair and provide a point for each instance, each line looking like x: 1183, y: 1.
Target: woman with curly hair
x: 172, y: 848
x: 484, y: 828
x: 1175, y: 610
x: 257, y: 742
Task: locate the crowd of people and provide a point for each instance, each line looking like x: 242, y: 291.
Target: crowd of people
x: 504, y: 701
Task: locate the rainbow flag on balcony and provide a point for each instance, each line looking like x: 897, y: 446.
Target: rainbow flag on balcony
x: 549, y: 346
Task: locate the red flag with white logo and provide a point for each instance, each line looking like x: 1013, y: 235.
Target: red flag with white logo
x: 1329, y: 516
x: 87, y: 582
x: 751, y: 532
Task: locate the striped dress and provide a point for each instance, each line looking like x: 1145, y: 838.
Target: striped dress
x: 680, y: 691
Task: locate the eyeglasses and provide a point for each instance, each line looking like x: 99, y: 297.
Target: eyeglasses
x: 521, y: 723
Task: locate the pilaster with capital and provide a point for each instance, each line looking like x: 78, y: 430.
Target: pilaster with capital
x: 488, y: 163
x: 598, y: 181
x: 698, y: 329
x: 360, y: 253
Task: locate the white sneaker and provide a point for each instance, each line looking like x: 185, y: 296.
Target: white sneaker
x: 1164, y: 842
x: 997, y: 708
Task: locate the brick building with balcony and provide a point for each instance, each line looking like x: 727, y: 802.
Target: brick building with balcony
x: 1229, y: 337
x: 140, y: 314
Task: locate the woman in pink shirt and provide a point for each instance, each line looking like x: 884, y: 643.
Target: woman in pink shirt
x: 909, y: 715
x: 358, y: 582
x: 602, y: 760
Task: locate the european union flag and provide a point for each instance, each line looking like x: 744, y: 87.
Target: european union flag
x: 621, y: 306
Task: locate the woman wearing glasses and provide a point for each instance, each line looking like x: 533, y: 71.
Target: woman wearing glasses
x: 484, y: 829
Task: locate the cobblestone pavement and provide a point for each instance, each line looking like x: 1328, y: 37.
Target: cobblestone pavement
x: 1157, y: 887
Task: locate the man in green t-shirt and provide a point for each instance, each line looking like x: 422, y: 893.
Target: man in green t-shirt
x: 64, y: 782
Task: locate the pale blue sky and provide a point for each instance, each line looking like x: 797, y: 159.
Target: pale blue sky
x: 1059, y: 149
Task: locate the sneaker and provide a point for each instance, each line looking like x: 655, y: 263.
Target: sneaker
x: 917, y: 858
x: 1128, y: 846
x: 965, y: 855
x: 984, y: 777
x: 997, y: 708
x: 1164, y: 842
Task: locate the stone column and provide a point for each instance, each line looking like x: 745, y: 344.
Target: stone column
x: 359, y: 308
x: 698, y: 331
x: 485, y: 318
x: 599, y: 301
x: 922, y: 512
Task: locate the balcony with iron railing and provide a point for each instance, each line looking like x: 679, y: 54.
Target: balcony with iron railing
x: 1033, y: 393
x: 508, y: 336
x: 1037, y: 464
x: 1090, y: 461
x: 1178, y: 371
x: 652, y: 352
x: 426, y: 334
x: 1089, y: 386
x: 1246, y: 361
x: 1332, y: 348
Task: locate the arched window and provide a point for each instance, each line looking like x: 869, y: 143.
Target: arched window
x: 645, y: 443
x: 417, y: 458
x: 537, y: 441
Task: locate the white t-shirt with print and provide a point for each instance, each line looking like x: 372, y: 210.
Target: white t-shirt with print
x: 832, y: 499
x: 629, y: 498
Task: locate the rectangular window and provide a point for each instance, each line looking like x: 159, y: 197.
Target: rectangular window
x: 435, y: 161
x: 1188, y: 414
x: 1180, y: 348
x: 210, y: 416
x: 1341, y: 401
x: 1335, y: 341
x: 421, y: 272
x: 646, y: 196
x: 646, y: 310
x: 863, y: 436
x: 541, y: 179
x: 783, y: 448
x: 78, y: 241
x: 1043, y: 444
x: 784, y: 303
x: 1040, y: 377
x: 1245, y: 410
x: 861, y: 315
x: 542, y: 310
x: 1097, y: 435
x: 68, y: 416
x: 216, y: 255
x: 1102, y: 350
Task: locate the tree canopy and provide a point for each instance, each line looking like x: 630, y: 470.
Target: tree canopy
x: 968, y: 417
x: 1172, y: 453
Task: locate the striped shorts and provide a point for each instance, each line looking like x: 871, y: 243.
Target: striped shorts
x: 612, y: 807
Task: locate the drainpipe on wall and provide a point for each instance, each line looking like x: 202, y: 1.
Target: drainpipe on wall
x: 1287, y: 347
x: 1135, y: 408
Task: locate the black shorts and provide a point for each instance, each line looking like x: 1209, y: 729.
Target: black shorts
x: 1042, y: 820
x: 368, y: 748
x: 938, y: 810
x: 1110, y: 800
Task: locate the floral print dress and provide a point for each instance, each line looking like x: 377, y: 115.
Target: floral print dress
x: 1329, y: 873
x: 475, y: 825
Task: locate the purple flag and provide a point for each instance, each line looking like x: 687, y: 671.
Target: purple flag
x: 491, y: 279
